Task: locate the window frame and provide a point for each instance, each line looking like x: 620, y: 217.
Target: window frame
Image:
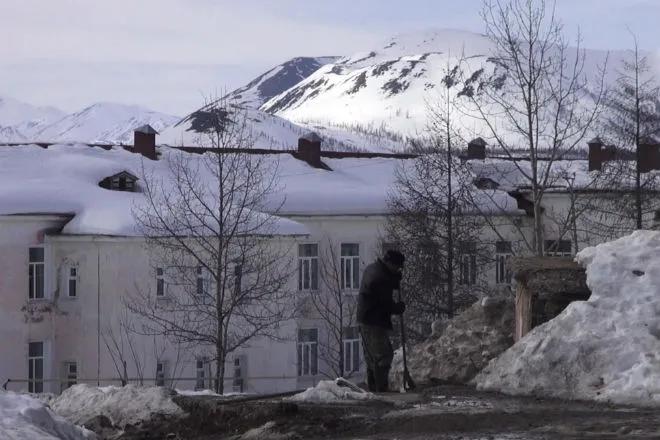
x: 33, y: 274
x: 307, y: 353
x: 503, y: 274
x: 467, y: 267
x: 36, y: 384
x: 349, y: 263
x: 352, y: 350
x: 160, y: 283
x: 201, y: 367
x: 203, y: 282
x: 70, y: 378
x: 239, y: 376
x: 312, y: 262
x: 72, y: 280
x: 161, y: 366
x: 238, y: 278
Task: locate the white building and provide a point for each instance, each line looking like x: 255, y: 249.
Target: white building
x: 69, y: 253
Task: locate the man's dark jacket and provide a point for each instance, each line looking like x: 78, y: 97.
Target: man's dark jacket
x: 375, y: 303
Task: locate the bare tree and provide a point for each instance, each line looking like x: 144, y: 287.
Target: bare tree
x: 538, y: 99
x: 221, y: 268
x: 122, y: 346
x: 336, y: 305
x: 632, y: 122
x: 429, y: 229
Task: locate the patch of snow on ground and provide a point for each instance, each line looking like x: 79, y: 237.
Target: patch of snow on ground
x: 23, y: 417
x: 329, y: 391
x: 122, y: 405
x: 604, y: 349
x: 196, y: 393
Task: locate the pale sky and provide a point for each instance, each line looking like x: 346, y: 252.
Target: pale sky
x: 168, y: 54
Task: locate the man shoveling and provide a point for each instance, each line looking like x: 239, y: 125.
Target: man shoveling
x: 374, y: 314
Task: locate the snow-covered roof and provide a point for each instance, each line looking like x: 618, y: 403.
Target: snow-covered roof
x: 64, y: 179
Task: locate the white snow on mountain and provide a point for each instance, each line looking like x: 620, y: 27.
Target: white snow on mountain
x: 19, y: 121
x: 101, y: 122
x: 392, y: 86
x: 272, y: 132
x: 604, y: 349
x: 277, y: 80
x: 104, y: 123
x: 14, y: 112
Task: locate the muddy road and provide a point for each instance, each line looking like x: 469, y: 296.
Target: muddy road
x: 445, y: 412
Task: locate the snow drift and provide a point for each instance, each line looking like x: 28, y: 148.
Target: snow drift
x: 331, y: 391
x: 467, y: 344
x: 604, y: 349
x: 121, y: 405
x: 23, y: 417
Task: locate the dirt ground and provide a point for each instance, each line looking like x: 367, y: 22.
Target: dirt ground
x: 444, y: 412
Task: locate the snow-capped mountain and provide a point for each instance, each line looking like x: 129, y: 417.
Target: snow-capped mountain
x: 104, y: 123
x: 101, y: 122
x: 392, y: 86
x: 19, y: 120
x: 14, y: 112
x: 272, y: 132
x: 277, y: 80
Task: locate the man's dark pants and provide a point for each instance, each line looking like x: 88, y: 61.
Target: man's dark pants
x: 378, y: 355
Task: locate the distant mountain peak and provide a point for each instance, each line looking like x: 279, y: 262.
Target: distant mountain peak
x: 278, y: 79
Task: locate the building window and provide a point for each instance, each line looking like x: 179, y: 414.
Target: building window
x: 308, y: 352
x: 558, y: 248
x: 202, y: 294
x: 36, y: 273
x: 350, y: 266
x: 123, y: 181
x: 70, y: 375
x: 351, y: 350
x: 160, y: 282
x: 72, y: 283
x: 467, y: 264
x: 239, y: 374
x: 238, y: 278
x: 308, y: 267
x: 201, y: 282
x: 36, y: 367
x: 160, y: 374
x: 503, y: 254
x: 200, y: 373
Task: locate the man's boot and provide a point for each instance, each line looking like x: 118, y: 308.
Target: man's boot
x: 381, y: 376
x: 371, y: 380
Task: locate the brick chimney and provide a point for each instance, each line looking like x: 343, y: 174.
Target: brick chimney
x: 649, y: 155
x: 476, y: 149
x: 309, y: 150
x: 144, y: 141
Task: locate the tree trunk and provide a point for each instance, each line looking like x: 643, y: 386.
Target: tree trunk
x: 538, y: 226
x: 450, y: 235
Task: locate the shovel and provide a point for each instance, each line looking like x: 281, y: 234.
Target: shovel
x: 408, y: 382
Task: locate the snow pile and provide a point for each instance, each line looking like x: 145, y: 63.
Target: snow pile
x: 331, y: 391
x: 604, y: 349
x: 467, y: 344
x: 129, y: 405
x: 23, y: 417
x: 193, y: 393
